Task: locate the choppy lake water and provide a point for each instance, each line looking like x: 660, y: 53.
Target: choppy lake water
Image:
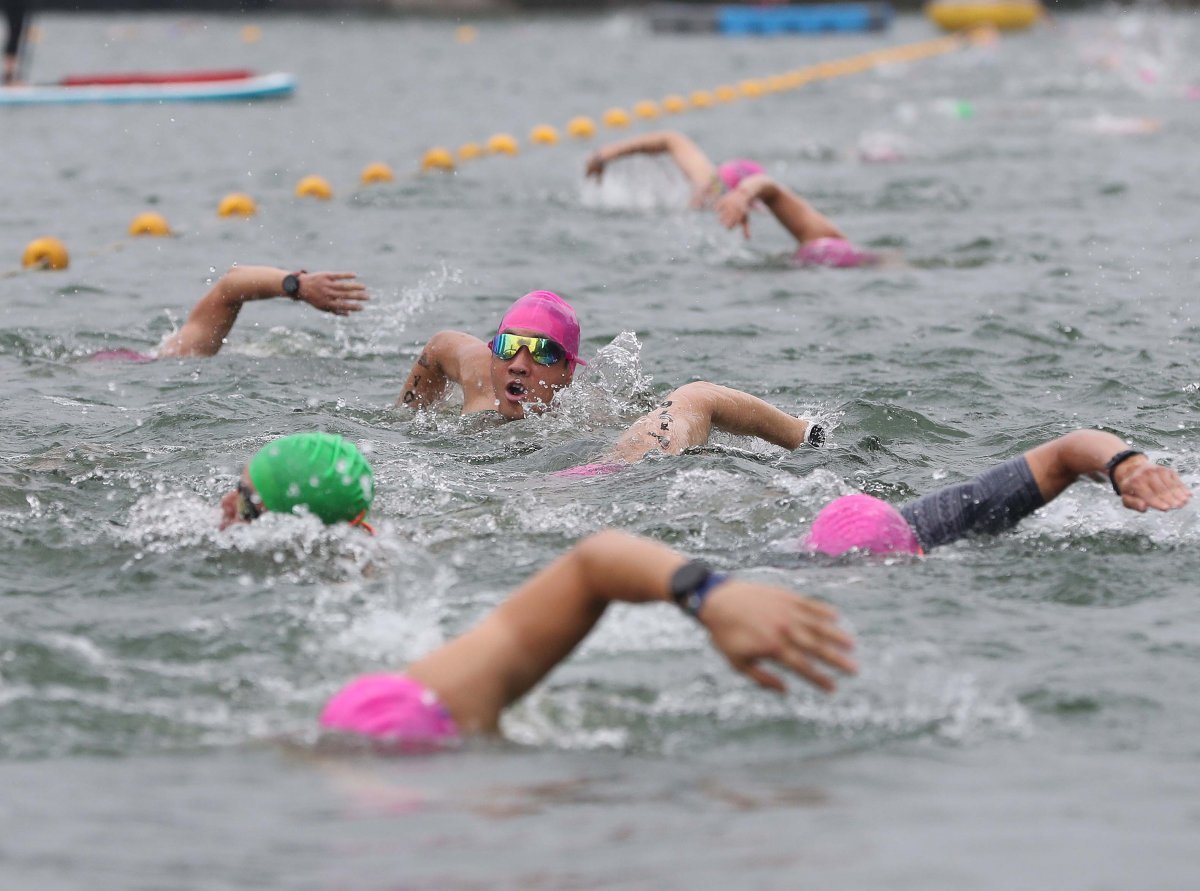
x: 1023, y: 718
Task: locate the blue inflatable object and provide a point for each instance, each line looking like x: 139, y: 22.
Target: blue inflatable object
x: 771, y: 20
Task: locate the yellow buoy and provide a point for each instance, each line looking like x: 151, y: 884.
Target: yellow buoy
x: 646, y: 109
x: 616, y: 117
x: 777, y: 83
x: 251, y: 34
x: 674, y: 104
x: 725, y: 93
x: 751, y: 89
x: 702, y: 99
x: 469, y: 151
x: 314, y: 187
x: 237, y: 204
x: 377, y: 172
x: 466, y: 33
x: 502, y: 144
x: 543, y: 134
x: 437, y: 158
x: 581, y: 127
x: 149, y: 223
x: 45, y: 253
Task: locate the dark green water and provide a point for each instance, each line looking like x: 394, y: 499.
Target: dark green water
x: 1026, y: 713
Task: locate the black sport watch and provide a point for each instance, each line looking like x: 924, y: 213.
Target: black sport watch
x: 291, y: 284
x: 691, y: 584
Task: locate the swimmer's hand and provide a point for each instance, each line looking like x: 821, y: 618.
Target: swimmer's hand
x: 750, y: 622
x: 1145, y: 485
x: 333, y: 292
x: 733, y: 209
x: 595, y: 165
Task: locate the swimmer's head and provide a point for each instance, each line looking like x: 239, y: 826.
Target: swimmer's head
x: 861, y: 523
x: 733, y: 172
x: 325, y: 474
x: 534, y: 352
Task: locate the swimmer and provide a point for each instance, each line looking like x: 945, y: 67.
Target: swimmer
x: 319, y: 473
x: 733, y: 187
x: 531, y: 357
x: 462, y: 687
x: 997, y: 499
x: 820, y: 242
x: 709, y: 181
x: 211, y: 320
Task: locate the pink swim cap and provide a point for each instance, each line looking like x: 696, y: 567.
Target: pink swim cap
x: 121, y: 355
x: 549, y: 315
x: 836, y: 252
x: 598, y: 468
x: 733, y: 172
x: 390, y: 707
x: 861, y: 522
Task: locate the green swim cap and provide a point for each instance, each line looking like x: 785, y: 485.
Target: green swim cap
x: 325, y: 473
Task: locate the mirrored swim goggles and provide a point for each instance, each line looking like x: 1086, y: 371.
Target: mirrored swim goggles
x: 543, y: 350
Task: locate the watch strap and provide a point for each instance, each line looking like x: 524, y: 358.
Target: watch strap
x: 1115, y: 461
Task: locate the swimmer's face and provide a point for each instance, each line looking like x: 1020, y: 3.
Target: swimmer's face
x: 242, y: 504
x: 521, y: 384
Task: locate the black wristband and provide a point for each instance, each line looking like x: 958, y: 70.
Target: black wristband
x: 815, y: 435
x: 1115, y: 461
x: 691, y: 584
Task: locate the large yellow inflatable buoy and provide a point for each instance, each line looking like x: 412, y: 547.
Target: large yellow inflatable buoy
x: 961, y: 15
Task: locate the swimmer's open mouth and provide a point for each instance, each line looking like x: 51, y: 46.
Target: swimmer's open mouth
x: 515, y: 389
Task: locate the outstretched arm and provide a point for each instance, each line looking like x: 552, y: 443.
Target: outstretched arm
x: 491, y: 666
x: 213, y: 317
x: 686, y: 154
x: 1058, y: 463
x: 686, y: 418
x: 793, y: 212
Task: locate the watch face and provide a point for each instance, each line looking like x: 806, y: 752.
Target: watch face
x: 688, y: 578
x: 291, y: 285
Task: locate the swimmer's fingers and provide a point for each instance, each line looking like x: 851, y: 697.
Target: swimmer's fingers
x: 1154, y: 486
x: 334, y: 292
x: 750, y: 622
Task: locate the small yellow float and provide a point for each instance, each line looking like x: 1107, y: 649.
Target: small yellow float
x: 1007, y: 15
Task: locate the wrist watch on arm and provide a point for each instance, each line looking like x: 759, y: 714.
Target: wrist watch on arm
x: 1113, y: 462
x: 691, y: 584
x: 291, y: 284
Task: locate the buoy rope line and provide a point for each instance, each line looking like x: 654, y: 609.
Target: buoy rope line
x: 50, y: 253
x: 441, y: 158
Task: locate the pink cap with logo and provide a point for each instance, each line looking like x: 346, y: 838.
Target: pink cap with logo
x: 864, y: 523
x: 549, y: 315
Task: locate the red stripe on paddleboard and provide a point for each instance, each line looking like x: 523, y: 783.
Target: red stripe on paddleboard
x: 181, y: 77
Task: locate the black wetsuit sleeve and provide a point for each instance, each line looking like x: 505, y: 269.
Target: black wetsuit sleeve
x: 995, y: 500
